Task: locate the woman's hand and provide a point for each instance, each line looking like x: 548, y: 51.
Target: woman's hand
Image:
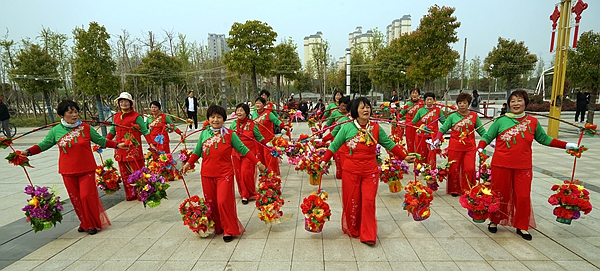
x: 261, y: 167
x: 409, y: 158
x: 185, y: 168
x: 121, y: 146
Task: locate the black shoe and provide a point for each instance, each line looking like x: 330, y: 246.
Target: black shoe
x: 92, y: 231
x: 370, y: 243
x: 492, y: 229
x: 80, y: 229
x: 227, y: 239
x: 525, y: 236
x: 454, y: 195
x: 244, y: 201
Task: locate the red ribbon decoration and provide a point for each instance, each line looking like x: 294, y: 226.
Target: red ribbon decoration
x: 554, y: 18
x: 578, y: 9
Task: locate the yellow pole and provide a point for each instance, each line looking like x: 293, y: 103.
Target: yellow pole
x: 560, y: 66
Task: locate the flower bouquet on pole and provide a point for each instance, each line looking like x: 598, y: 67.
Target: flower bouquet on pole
x: 417, y: 200
x: 196, y: 214
x: 295, y: 151
x: 161, y: 163
x: 391, y: 172
x: 480, y: 201
x: 572, y: 199
x: 107, y: 177
x: 268, y: 199
x: 151, y: 187
x: 44, y: 208
x: 316, y: 211
x: 312, y: 165
x: 433, y: 175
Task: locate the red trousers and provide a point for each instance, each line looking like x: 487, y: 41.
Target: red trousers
x: 245, y: 171
x: 126, y: 168
x: 398, y: 131
x: 86, y: 202
x: 337, y: 157
x: 462, y: 172
x: 220, y: 196
x: 411, y: 133
x: 271, y: 162
x: 358, y: 205
x: 514, y: 188
x: 427, y: 156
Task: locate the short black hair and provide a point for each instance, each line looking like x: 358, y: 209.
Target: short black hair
x: 266, y: 92
x: 243, y: 106
x: 417, y: 90
x: 216, y: 109
x: 191, y: 91
x: 349, y: 105
x: 519, y: 93
x: 261, y: 99
x: 429, y: 94
x: 155, y: 103
x: 356, y: 103
x: 65, y: 105
x: 335, y: 93
x: 345, y: 100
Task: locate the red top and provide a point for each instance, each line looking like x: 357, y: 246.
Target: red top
x: 129, y: 119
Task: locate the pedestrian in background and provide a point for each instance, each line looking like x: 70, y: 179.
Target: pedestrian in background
x: 191, y: 107
x: 5, y: 118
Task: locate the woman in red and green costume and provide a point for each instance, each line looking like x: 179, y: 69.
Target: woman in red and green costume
x: 337, y: 116
x: 160, y: 125
x: 360, y: 176
x: 427, y: 120
x: 335, y: 103
x: 77, y: 165
x: 511, y: 163
x: 461, y: 149
x: 129, y: 128
x: 408, y: 113
x: 265, y: 120
x: 215, y: 146
x: 244, y: 167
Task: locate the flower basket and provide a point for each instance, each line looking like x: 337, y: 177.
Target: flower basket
x: 316, y: 211
x: 268, y: 199
x: 572, y: 199
x: 196, y: 214
x: 44, y: 208
x: 391, y: 172
x: 417, y: 200
x: 107, y: 177
x: 433, y: 175
x: 421, y: 213
x: 315, y: 179
x: 312, y: 165
x: 161, y: 163
x: 480, y: 201
x: 151, y: 188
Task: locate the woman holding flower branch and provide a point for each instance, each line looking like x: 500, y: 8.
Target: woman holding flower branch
x: 215, y: 146
x: 462, y: 123
x: 265, y: 120
x: 130, y: 159
x: 360, y: 174
x: 243, y: 166
x: 160, y: 125
x: 76, y: 164
x: 511, y: 163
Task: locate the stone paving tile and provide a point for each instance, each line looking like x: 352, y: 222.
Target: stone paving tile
x: 220, y: 265
x: 274, y: 265
x: 399, y: 266
x: 307, y: 250
x: 473, y: 265
x: 146, y: 265
x: 458, y: 249
x: 249, y: 250
x: 338, y: 250
x: 440, y: 265
x: 307, y: 266
x: 23, y: 265
x: 178, y: 265
x: 340, y: 265
x: 84, y: 265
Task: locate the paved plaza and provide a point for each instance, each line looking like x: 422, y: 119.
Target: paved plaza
x: 156, y: 239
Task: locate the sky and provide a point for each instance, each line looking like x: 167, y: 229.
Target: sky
x: 482, y: 22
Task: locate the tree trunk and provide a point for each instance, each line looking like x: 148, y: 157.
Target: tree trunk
x: 48, y: 106
x: 164, y: 96
x: 254, y: 86
x: 592, y: 105
x: 101, y: 116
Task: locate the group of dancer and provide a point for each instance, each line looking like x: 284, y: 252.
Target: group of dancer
x: 232, y: 155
